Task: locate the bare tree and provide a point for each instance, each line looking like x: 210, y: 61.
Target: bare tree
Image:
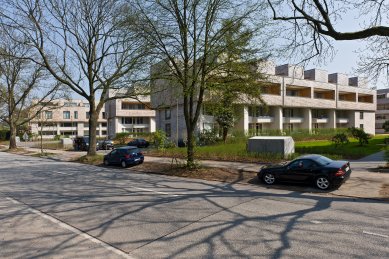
x: 185, y: 35
x: 82, y: 44
x: 24, y: 87
x: 315, y: 22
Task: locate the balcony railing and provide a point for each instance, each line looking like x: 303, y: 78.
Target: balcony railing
x: 293, y: 119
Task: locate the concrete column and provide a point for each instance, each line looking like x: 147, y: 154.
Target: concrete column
x: 307, y: 122
x: 277, y: 123
x: 331, y: 119
x: 80, y: 128
x: 152, y: 124
x: 243, y: 123
x: 58, y: 131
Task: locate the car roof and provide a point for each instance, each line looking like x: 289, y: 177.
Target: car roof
x: 311, y: 156
x: 127, y: 147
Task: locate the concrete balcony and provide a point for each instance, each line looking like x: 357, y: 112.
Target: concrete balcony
x: 292, y: 119
x: 342, y: 120
x: 136, y: 126
x: 260, y: 119
x: 320, y: 120
x: 272, y: 99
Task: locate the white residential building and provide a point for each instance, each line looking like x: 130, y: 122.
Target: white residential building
x: 382, y: 113
x: 70, y: 118
x: 67, y: 118
x: 129, y: 115
x: 296, y: 99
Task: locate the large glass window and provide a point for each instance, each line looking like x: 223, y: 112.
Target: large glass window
x: 168, y: 129
x: 168, y: 114
x: 48, y: 114
x: 133, y: 120
x: 76, y: 114
x: 66, y: 115
x: 133, y: 106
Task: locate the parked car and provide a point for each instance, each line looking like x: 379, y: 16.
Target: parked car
x: 323, y: 172
x: 124, y: 156
x: 82, y: 144
x: 106, y: 144
x: 138, y: 142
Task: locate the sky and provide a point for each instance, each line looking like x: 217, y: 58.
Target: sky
x: 347, y: 52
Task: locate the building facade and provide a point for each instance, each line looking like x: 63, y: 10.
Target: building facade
x: 296, y: 99
x: 129, y: 115
x: 382, y: 113
x: 70, y: 118
x: 67, y: 118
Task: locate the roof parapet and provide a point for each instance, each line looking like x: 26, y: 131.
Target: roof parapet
x: 338, y: 78
x: 290, y: 71
x: 316, y: 75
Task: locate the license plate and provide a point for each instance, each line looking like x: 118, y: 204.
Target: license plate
x: 347, y: 168
x: 136, y: 159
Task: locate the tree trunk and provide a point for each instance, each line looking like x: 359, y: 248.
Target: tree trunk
x: 12, y: 136
x: 92, y: 131
x: 190, y: 148
x: 225, y: 132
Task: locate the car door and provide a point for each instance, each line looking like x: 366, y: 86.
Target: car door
x: 306, y: 170
x: 114, y: 157
x: 289, y: 174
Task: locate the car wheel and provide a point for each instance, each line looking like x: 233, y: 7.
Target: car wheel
x: 269, y: 178
x: 322, y: 183
x: 106, y: 162
x: 124, y: 164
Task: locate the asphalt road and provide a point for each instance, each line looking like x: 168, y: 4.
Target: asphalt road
x: 51, y: 209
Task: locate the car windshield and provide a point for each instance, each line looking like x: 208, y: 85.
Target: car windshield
x: 322, y: 160
x: 133, y: 150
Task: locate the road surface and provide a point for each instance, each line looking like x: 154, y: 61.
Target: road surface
x: 51, y: 209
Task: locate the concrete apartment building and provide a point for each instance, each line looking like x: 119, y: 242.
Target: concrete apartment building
x: 129, y: 115
x: 296, y: 99
x: 382, y: 113
x: 67, y: 118
x: 70, y: 118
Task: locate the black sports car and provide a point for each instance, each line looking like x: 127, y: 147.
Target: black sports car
x: 323, y: 172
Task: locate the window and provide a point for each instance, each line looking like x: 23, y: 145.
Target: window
x: 86, y: 125
x: 76, y: 114
x: 104, y: 116
x: 103, y: 124
x: 70, y: 104
x: 87, y: 115
x: 361, y: 115
x: 48, y: 114
x: 167, y: 114
x: 168, y: 129
x: 68, y: 124
x: 133, y: 120
x: 66, y: 115
x: 133, y: 106
x: 361, y: 126
x: 256, y: 111
x: 381, y: 96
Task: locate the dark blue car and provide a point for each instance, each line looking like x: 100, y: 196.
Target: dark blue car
x: 124, y: 156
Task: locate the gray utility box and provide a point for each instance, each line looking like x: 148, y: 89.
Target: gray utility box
x: 281, y: 145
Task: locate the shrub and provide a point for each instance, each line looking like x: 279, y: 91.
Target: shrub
x: 360, y: 134
x: 208, y: 137
x: 57, y: 137
x: 385, y: 126
x: 4, y: 134
x: 121, y: 137
x: 340, y: 139
x: 160, y: 139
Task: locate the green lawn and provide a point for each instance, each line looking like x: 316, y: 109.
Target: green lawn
x: 351, y: 150
x: 237, y: 151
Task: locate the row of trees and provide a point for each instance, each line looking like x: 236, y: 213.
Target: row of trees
x: 89, y: 47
